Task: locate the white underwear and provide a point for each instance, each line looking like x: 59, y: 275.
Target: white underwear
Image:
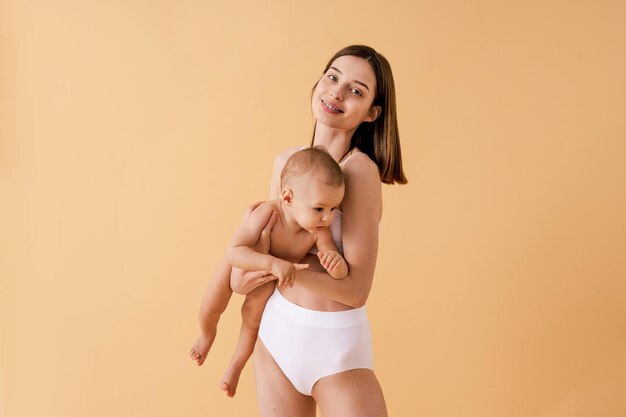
x: 308, y: 345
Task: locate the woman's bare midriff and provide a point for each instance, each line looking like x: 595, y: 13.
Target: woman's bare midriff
x: 308, y: 299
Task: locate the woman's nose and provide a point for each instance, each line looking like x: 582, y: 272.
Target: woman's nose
x: 336, y: 94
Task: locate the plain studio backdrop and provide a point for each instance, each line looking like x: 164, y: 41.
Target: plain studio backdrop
x: 135, y: 133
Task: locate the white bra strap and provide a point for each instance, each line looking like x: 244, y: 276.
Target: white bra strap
x: 342, y: 163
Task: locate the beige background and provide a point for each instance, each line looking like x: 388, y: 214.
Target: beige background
x: 134, y: 133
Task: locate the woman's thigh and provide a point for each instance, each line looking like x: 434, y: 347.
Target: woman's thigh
x: 354, y: 393
x: 276, y: 396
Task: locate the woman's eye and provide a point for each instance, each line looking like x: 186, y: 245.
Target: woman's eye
x: 356, y: 92
x: 332, y: 77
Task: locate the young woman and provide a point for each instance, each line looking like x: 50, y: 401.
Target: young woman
x: 314, y: 345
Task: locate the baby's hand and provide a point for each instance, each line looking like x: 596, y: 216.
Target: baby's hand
x: 286, y: 272
x: 334, y: 263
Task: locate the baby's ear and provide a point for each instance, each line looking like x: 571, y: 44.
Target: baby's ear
x: 287, y: 195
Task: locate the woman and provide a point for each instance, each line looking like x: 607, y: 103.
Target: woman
x: 355, y: 120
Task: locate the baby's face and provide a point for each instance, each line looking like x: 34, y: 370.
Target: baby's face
x: 314, y: 204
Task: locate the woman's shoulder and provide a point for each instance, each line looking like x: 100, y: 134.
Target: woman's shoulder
x: 361, y: 166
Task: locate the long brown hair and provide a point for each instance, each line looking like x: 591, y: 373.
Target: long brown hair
x: 378, y: 139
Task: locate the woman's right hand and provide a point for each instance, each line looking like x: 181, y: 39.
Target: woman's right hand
x: 286, y: 271
x: 242, y: 282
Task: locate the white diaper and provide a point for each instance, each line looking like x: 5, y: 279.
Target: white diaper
x: 308, y: 345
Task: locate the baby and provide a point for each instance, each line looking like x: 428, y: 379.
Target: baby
x: 311, y: 188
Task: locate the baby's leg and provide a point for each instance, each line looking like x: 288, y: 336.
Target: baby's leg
x: 251, y: 313
x: 214, y: 302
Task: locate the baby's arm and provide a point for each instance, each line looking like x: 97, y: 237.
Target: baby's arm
x: 241, y: 255
x: 329, y: 255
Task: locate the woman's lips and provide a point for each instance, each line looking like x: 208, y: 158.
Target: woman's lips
x: 330, y: 107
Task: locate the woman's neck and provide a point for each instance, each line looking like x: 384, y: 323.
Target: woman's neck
x: 336, y: 142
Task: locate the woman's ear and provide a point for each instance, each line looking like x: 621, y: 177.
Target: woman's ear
x: 373, y: 114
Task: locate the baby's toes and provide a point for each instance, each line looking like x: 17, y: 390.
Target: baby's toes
x: 196, y: 356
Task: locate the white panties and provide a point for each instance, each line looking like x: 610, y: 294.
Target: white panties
x: 308, y: 345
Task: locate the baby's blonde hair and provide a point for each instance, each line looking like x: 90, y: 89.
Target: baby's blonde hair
x: 314, y: 163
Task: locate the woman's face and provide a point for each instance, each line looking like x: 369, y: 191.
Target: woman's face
x: 344, y: 95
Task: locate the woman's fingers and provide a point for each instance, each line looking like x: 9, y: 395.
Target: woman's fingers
x: 251, y: 208
x: 262, y: 280
x: 264, y: 243
x: 242, y: 282
x: 272, y: 221
x: 267, y: 230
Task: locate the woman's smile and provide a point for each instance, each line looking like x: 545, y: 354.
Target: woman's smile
x: 330, y: 107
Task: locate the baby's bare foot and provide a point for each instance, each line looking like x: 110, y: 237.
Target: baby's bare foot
x: 230, y: 380
x: 201, y: 347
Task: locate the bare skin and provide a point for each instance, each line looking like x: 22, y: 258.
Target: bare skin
x: 355, y: 392
x: 208, y: 318
x: 214, y: 301
x: 351, y: 393
x: 289, y: 242
x: 284, y: 219
x: 251, y: 312
x: 276, y: 396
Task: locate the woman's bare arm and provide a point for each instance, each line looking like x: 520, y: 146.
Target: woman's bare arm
x: 361, y: 207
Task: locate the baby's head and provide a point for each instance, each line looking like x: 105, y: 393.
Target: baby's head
x: 311, y: 186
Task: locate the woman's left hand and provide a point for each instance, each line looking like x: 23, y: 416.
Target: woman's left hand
x: 242, y: 282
